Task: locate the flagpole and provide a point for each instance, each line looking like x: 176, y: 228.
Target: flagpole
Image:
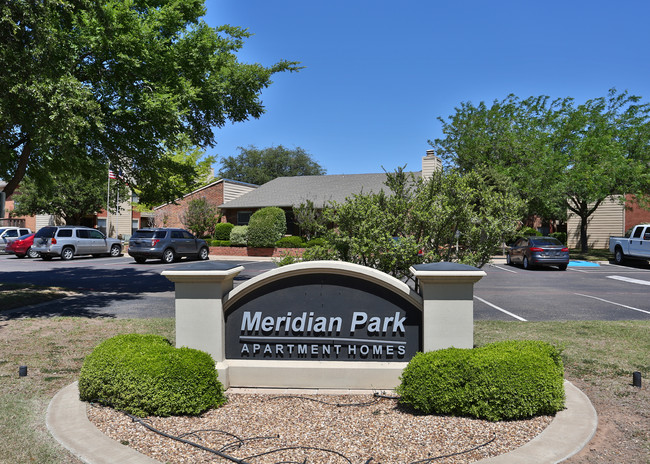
x: 108, y: 198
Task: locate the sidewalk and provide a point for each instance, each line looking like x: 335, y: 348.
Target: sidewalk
x: 567, y: 434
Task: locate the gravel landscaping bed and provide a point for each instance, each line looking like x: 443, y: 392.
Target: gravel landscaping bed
x: 355, y: 429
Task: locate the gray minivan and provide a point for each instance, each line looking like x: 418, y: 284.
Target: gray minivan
x: 70, y: 241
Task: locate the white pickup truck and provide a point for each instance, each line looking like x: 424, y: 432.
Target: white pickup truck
x: 636, y: 246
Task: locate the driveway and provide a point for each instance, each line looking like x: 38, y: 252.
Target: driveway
x: 118, y: 287
x: 109, y: 287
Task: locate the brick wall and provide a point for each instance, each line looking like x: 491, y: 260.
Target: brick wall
x: 174, y: 212
x: 250, y: 251
x: 635, y: 215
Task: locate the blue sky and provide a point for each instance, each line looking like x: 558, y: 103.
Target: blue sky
x: 379, y: 73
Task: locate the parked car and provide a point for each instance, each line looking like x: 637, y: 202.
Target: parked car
x: 538, y: 251
x: 166, y: 244
x: 7, y: 234
x: 22, y: 247
x: 70, y: 241
x: 636, y: 246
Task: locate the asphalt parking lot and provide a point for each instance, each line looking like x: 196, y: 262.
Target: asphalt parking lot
x: 118, y: 287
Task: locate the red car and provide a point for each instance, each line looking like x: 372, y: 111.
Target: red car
x: 22, y: 247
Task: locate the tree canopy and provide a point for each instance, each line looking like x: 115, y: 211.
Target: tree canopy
x: 118, y: 81
x: 560, y: 155
x: 258, y: 166
x: 72, y: 196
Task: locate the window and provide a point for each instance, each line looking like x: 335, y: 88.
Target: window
x: 64, y: 233
x: 177, y: 234
x: 95, y: 234
x: 187, y: 235
x: 243, y: 217
x: 81, y: 233
x: 134, y: 226
x: 637, y: 232
x: 24, y: 231
x: 101, y: 225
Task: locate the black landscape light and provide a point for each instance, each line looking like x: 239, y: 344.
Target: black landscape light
x: 22, y: 371
x: 636, y: 379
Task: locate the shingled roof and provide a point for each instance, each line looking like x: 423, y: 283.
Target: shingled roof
x: 292, y: 191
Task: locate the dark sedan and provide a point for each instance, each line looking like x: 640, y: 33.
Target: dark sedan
x: 538, y: 251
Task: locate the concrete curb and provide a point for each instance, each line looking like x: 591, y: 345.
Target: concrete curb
x: 568, y: 433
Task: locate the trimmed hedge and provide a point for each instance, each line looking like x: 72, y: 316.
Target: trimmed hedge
x: 266, y: 226
x: 290, y: 242
x: 561, y: 236
x: 316, y: 242
x: 500, y: 381
x: 216, y: 243
x: 239, y: 236
x: 144, y: 375
x: 222, y: 231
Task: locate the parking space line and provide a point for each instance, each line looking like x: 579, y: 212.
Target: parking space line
x: 614, y: 303
x: 503, y: 268
x: 500, y: 309
x: 629, y: 279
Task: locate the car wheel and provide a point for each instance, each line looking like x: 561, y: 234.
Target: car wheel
x: 619, y: 257
x: 204, y: 254
x: 116, y: 250
x: 168, y: 256
x: 563, y: 267
x: 526, y: 263
x: 67, y: 253
x: 140, y: 260
x: 32, y: 254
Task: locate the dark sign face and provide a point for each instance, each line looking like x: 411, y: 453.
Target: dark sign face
x: 323, y: 317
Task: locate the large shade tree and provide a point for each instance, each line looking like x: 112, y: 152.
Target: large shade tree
x: 118, y: 81
x: 560, y: 155
x: 258, y: 166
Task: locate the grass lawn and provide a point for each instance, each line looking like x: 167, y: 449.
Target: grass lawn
x: 599, y: 359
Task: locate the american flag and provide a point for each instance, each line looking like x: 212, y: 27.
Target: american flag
x: 111, y: 174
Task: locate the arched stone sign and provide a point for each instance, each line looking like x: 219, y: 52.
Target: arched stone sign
x: 320, y: 324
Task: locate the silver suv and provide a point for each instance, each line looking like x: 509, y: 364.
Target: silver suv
x: 8, y: 234
x: 70, y: 241
x: 167, y: 245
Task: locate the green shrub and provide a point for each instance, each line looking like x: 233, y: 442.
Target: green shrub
x: 222, y: 231
x: 266, y: 227
x: 319, y: 253
x: 145, y: 375
x: 561, y: 236
x: 238, y: 236
x: 315, y: 242
x: 528, y: 232
x: 290, y: 242
x: 286, y: 259
x: 500, y: 381
x: 223, y: 243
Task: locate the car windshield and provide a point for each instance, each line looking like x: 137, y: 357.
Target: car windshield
x: 46, y: 232
x: 546, y: 241
x: 149, y: 234
x: 2, y: 230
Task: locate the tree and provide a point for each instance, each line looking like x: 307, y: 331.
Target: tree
x: 450, y: 217
x: 71, y: 197
x: 118, y: 81
x: 200, y: 217
x: 559, y: 155
x: 257, y: 166
x: 310, y: 220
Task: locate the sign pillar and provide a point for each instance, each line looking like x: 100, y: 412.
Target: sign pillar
x: 448, y: 306
x: 200, y: 288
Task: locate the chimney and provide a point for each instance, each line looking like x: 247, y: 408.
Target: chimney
x: 430, y: 164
